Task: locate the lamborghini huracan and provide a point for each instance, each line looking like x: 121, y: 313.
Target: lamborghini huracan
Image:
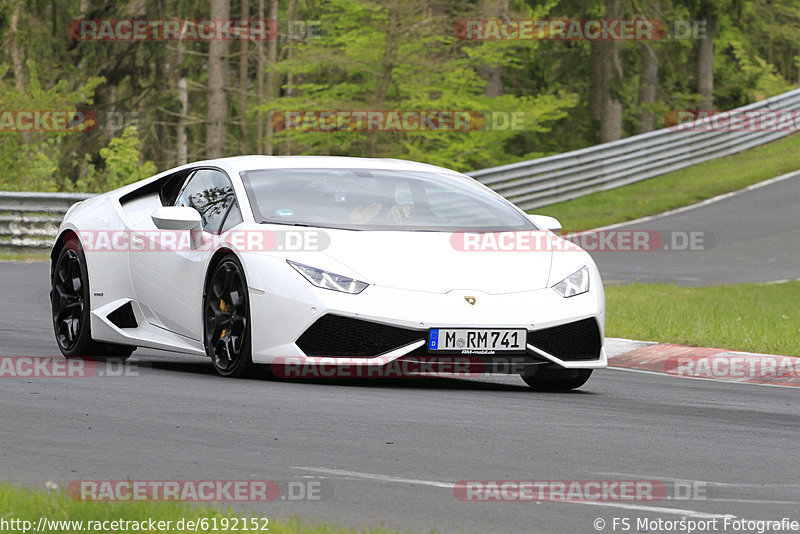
x: 252, y: 259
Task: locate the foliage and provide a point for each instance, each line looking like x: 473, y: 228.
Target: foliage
x: 122, y: 159
x: 401, y: 55
x: 30, y: 160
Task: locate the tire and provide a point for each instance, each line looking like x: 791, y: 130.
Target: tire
x: 226, y: 319
x: 70, y: 306
x: 557, y: 379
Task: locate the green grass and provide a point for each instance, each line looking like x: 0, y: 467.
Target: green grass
x: 24, y: 256
x: 679, y: 188
x: 30, y: 505
x: 748, y: 317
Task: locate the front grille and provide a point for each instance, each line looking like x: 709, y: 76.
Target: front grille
x: 123, y: 317
x: 334, y: 335
x: 569, y: 342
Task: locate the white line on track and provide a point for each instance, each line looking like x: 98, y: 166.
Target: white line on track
x: 775, y: 282
x: 674, y: 377
x: 643, y: 508
x: 709, y: 482
x: 373, y: 476
x: 450, y: 485
x: 748, y: 501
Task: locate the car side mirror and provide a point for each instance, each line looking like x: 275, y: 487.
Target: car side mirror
x: 177, y: 218
x: 180, y: 219
x: 546, y: 222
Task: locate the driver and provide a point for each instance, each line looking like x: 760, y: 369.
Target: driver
x: 366, y: 213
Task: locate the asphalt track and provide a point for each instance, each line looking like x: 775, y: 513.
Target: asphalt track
x: 387, y: 452
x: 751, y: 236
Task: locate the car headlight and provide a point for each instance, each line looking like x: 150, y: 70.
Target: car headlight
x: 574, y: 284
x: 329, y: 280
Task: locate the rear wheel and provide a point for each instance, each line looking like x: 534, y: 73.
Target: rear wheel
x: 557, y: 379
x: 226, y: 319
x: 69, y: 299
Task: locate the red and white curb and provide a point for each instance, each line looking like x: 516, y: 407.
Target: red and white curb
x: 704, y: 363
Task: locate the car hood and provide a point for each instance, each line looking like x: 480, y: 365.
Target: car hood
x: 436, y: 262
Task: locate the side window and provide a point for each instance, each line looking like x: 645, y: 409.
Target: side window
x: 210, y: 192
x: 234, y: 217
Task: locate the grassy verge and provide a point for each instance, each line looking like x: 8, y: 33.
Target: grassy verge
x: 748, y: 317
x: 24, y: 256
x: 31, y: 505
x: 679, y: 188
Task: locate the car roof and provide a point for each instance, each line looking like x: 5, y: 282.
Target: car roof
x: 238, y: 164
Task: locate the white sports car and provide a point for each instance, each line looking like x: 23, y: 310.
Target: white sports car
x: 255, y: 259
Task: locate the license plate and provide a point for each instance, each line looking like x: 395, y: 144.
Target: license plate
x: 460, y: 339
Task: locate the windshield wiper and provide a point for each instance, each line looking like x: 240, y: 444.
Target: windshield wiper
x: 289, y: 224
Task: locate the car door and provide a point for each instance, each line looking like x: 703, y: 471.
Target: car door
x: 170, y: 282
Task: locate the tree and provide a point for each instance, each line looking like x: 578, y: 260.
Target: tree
x: 404, y: 56
x: 611, y: 106
x: 648, y: 76
x: 123, y: 165
x: 243, y: 80
x: 372, y: 54
x: 217, y: 132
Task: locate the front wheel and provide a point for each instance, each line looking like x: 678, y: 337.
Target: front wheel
x: 557, y: 379
x: 226, y: 320
x: 69, y: 300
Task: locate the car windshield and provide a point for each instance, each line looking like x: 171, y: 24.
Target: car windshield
x: 361, y: 199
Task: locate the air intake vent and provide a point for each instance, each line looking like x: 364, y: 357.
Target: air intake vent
x: 123, y: 317
x: 333, y: 335
x: 569, y: 342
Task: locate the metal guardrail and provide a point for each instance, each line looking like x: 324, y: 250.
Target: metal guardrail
x: 539, y: 182
x: 30, y: 220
